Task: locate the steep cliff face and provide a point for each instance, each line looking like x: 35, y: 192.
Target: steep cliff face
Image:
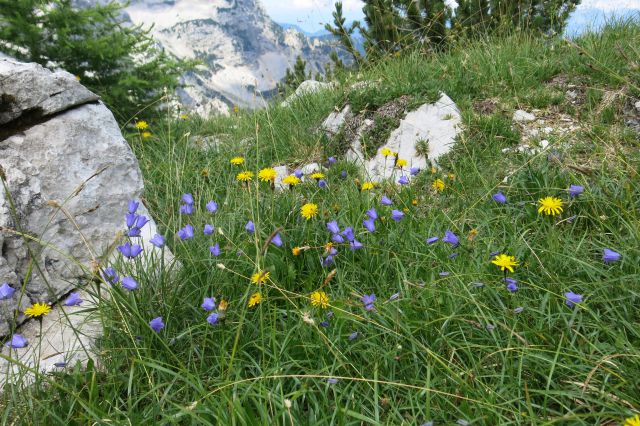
x: 243, y: 52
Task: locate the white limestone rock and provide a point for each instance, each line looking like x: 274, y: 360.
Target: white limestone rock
x: 521, y: 116
x: 306, y: 87
x: 34, y: 90
x: 438, y: 124
x: 334, y: 122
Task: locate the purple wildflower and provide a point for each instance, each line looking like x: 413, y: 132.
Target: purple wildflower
x: 609, y: 256
x: 209, y: 304
x: 6, y: 291
x: 324, y: 324
x: 215, y: 250
x: 353, y: 335
x: 327, y: 261
x: 156, y: 324
x: 349, y: 234
x: 186, y: 233
x: 575, y: 190
x: 372, y: 213
x: 157, y: 240
x: 277, y: 240
x: 129, y: 283
x: 213, y: 318
x: 386, y: 201
x: 355, y: 245
x: 332, y: 381
x: 130, y: 219
x: 332, y: 160
x: 451, y: 238
x: 368, y: 301
x: 444, y: 274
x: 343, y: 174
x: 298, y: 173
x: 403, y: 180
x: 333, y: 227
x: 17, y: 342
x: 512, y: 285
x: 453, y: 255
x: 499, y: 197
x: 208, y: 229
x: 322, y: 183
x: 73, y: 299
x: 518, y: 310
x: 414, y: 171
x: 110, y: 275
x: 394, y: 296
x: 187, y: 199
x: 432, y: 240
x: 186, y: 209
x: 397, y: 215
x: 132, y: 207
x: 130, y: 250
x: 572, y: 298
x: 369, y: 224
x: 337, y: 238
x: 250, y: 227
x: 212, y: 206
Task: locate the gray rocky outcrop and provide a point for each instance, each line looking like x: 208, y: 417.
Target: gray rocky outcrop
x: 69, y: 175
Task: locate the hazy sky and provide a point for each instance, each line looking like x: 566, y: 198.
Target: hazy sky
x: 312, y: 14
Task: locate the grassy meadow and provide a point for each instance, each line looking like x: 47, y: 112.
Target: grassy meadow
x: 446, y: 339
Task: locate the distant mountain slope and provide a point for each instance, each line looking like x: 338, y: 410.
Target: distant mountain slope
x: 244, y: 53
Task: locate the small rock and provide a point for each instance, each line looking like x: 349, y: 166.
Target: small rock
x: 637, y: 105
x: 281, y: 173
x: 521, y: 116
x: 544, y: 143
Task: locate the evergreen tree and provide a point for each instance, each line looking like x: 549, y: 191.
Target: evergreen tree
x: 116, y: 60
x: 344, y: 33
x: 293, y: 78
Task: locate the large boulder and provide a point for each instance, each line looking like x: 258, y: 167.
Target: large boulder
x: 69, y: 175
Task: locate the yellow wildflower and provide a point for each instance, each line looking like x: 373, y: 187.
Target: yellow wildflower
x: 317, y: 175
x: 632, y: 421
x: 146, y: 135
x: 320, y: 298
x: 142, y: 125
x: 550, y: 206
x: 438, y: 185
x: 260, y: 277
x: 386, y: 152
x: 505, y: 262
x: 296, y: 251
x: 401, y: 163
x: 291, y: 180
x: 236, y: 161
x: 255, y: 299
x: 245, y: 176
x: 309, y: 210
x: 267, y: 175
x: 37, y: 310
x: 368, y: 186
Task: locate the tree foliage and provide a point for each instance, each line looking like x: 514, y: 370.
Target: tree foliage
x: 293, y: 78
x: 393, y: 25
x: 115, y: 59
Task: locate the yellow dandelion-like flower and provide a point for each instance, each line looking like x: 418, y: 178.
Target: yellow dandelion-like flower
x: 255, y: 299
x: 146, y: 135
x: 414, y: 202
x: 260, y: 277
x: 291, y: 180
x: 317, y: 176
x: 434, y: 170
x: 438, y: 185
x: 328, y: 246
x: 37, y: 310
x: 386, y: 152
x: 296, y: 251
x: 309, y: 210
x: 244, y: 176
x: 472, y: 234
x: 267, y: 175
x: 401, y: 163
x: 320, y: 298
x: 142, y: 125
x: 184, y: 117
x: 550, y: 206
x: 236, y: 109
x: 236, y: 161
x: 368, y: 186
x: 632, y: 421
x: 78, y: 78
x: 505, y: 262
